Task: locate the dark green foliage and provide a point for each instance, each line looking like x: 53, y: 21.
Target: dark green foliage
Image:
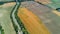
x: 2, y: 31
x: 0, y: 27
x: 1, y: 3
x: 58, y: 9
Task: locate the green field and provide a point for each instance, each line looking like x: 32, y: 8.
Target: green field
x: 5, y: 20
x: 55, y: 4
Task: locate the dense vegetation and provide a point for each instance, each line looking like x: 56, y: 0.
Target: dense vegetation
x: 1, y: 30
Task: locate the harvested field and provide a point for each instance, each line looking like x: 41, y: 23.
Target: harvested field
x: 32, y: 23
x: 46, y: 14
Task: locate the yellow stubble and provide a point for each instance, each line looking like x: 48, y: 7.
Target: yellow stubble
x: 31, y: 22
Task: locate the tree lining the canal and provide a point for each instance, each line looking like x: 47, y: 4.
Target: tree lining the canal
x: 1, y: 30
